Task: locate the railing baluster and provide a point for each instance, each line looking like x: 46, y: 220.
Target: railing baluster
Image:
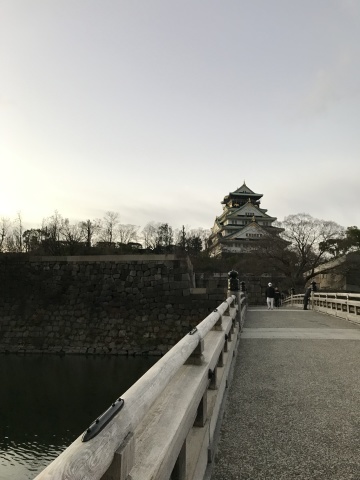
x: 179, y: 471
x: 123, y: 460
x: 201, y: 415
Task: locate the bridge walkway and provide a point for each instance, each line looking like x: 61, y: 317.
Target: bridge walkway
x: 293, y: 407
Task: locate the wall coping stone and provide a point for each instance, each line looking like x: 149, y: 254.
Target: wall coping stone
x: 106, y: 258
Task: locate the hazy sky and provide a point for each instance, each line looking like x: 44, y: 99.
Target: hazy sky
x: 157, y: 109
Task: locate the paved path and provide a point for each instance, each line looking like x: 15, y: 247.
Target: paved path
x: 293, y: 407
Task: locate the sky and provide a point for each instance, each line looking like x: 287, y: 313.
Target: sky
x: 157, y: 109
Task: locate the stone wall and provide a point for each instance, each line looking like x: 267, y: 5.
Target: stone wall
x: 104, y: 304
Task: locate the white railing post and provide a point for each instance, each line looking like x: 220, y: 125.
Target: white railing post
x: 196, y: 357
x: 336, y: 314
x: 327, y: 305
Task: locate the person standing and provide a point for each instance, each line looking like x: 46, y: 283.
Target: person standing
x: 270, y: 295
x: 277, y: 297
x: 307, y: 295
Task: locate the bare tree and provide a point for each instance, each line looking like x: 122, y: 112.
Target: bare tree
x: 305, y: 235
x: 11, y: 234
x: 5, y: 226
x: 127, y: 233
x: 109, y: 223
x: 18, y: 231
x: 149, y: 234
x: 73, y: 235
x: 52, y: 228
x: 90, y: 230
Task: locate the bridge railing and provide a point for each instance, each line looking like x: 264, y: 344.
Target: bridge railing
x: 294, y: 300
x: 343, y: 305
x: 165, y: 423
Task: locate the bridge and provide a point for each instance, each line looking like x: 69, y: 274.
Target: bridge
x: 294, y: 402
x: 287, y: 380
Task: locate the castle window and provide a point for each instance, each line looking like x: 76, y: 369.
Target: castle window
x: 254, y: 235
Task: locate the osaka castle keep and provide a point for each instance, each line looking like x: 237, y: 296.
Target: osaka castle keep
x: 241, y: 224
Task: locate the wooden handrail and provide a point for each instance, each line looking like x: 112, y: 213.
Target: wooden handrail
x: 90, y: 460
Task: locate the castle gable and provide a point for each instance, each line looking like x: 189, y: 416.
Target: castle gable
x: 253, y: 230
x: 248, y: 209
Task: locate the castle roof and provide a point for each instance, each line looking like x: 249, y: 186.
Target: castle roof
x: 242, y: 192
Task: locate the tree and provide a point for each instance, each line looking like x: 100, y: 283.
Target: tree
x: 108, y: 231
x: 149, y: 235
x: 272, y: 254
x: 5, y: 225
x: 188, y: 241
x: 344, y: 244
x: 305, y: 236
x: 73, y: 235
x: 52, y: 228
x: 181, y: 238
x: 32, y: 239
x: 203, y: 234
x: 164, y: 237
x: 11, y: 234
x: 18, y: 233
x: 335, y: 246
x: 127, y: 233
x: 194, y: 245
x: 90, y: 229
x: 353, y: 237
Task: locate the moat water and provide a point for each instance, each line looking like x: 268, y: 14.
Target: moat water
x: 46, y: 402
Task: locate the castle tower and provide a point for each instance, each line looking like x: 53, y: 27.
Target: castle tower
x: 241, y: 224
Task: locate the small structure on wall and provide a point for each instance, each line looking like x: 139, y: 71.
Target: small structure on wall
x: 242, y: 223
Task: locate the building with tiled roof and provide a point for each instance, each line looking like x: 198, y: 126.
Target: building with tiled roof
x: 241, y: 224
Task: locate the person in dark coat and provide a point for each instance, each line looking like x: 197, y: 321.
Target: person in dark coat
x: 307, y: 297
x: 270, y: 296
x: 277, y: 297
x: 311, y: 288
